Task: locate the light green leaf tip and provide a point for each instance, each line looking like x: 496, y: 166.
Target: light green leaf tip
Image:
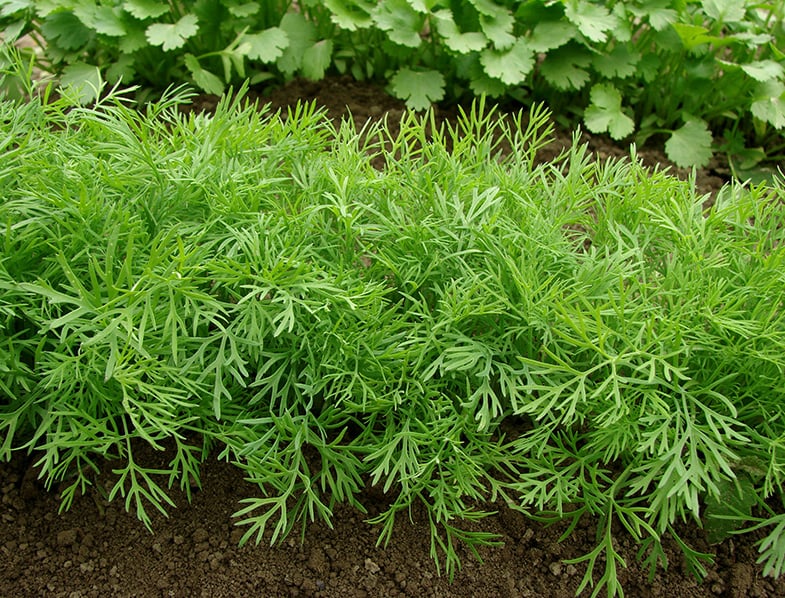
x: 690, y: 145
x: 605, y: 113
x: 172, y: 36
x: 82, y: 80
x: 511, y: 66
x: 418, y: 88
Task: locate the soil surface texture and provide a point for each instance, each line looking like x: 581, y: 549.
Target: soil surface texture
x: 97, y: 549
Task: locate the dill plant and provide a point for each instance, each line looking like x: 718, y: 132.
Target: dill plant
x: 247, y: 285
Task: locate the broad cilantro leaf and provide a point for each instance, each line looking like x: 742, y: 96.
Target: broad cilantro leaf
x: 204, y: 79
x: 102, y: 19
x: 658, y: 12
x: 242, y: 11
x: 649, y: 66
x: 350, y: 14
x: 763, y: 70
x: 725, y: 11
x: 622, y: 30
x: 401, y: 22
x: 488, y: 8
x: 591, y: 19
x: 145, y: 9
x: 419, y: 88
x: 65, y: 30
x: 122, y: 70
x: 484, y: 85
x: 316, y: 59
x: 769, y: 104
x: 267, y: 45
x: 498, y: 29
x: 172, y: 36
x: 548, y: 35
x: 690, y: 145
x: 721, y: 517
x: 302, y: 35
x: 693, y: 36
x: 454, y: 39
x: 479, y: 82
x: 135, y: 39
x: 620, y: 62
x: 565, y: 68
x: 754, y: 40
x: 9, y: 7
x: 605, y: 113
x: 82, y: 81
x: 12, y: 32
x: 511, y: 66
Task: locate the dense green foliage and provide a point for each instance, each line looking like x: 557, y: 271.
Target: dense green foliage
x: 686, y: 69
x: 248, y: 286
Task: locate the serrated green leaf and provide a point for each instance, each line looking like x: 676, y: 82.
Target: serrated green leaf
x: 316, y: 59
x: 454, y: 39
x: 620, y: 62
x: 172, y: 36
x: 484, y: 85
x: 302, y: 35
x: 81, y: 81
x: 605, y: 113
x: 121, y: 70
x: 133, y: 40
x: 763, y: 70
x: 9, y: 7
x: 401, y: 22
x: 267, y: 45
x: 350, y: 14
x: 622, y: 30
x: 693, y: 36
x: 725, y: 11
x: 204, y: 79
x: 690, y: 145
x: 242, y: 11
x: 565, y: 68
x: 145, y: 9
x: 735, y: 497
x: 658, y: 12
x: 479, y: 82
x: 754, y: 40
x: 65, y: 30
x: 498, y: 29
x: 649, y: 66
x: 103, y: 19
x: 488, y: 8
x: 592, y: 20
x: 13, y: 31
x: 418, y: 88
x: 769, y: 103
x: 549, y: 35
x: 510, y: 67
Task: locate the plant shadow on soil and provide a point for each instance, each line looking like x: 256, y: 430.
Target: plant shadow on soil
x: 98, y: 549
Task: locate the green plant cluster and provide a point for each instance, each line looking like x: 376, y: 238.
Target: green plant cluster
x: 249, y: 286
x: 707, y: 74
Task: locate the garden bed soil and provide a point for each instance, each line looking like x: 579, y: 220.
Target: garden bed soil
x: 98, y: 549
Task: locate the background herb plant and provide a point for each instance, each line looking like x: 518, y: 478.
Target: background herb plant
x: 248, y: 286
x: 704, y: 75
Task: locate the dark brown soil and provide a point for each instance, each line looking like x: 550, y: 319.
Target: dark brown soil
x: 98, y: 549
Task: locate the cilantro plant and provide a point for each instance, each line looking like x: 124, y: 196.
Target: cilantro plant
x: 703, y: 75
x: 578, y: 339
x: 211, y: 43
